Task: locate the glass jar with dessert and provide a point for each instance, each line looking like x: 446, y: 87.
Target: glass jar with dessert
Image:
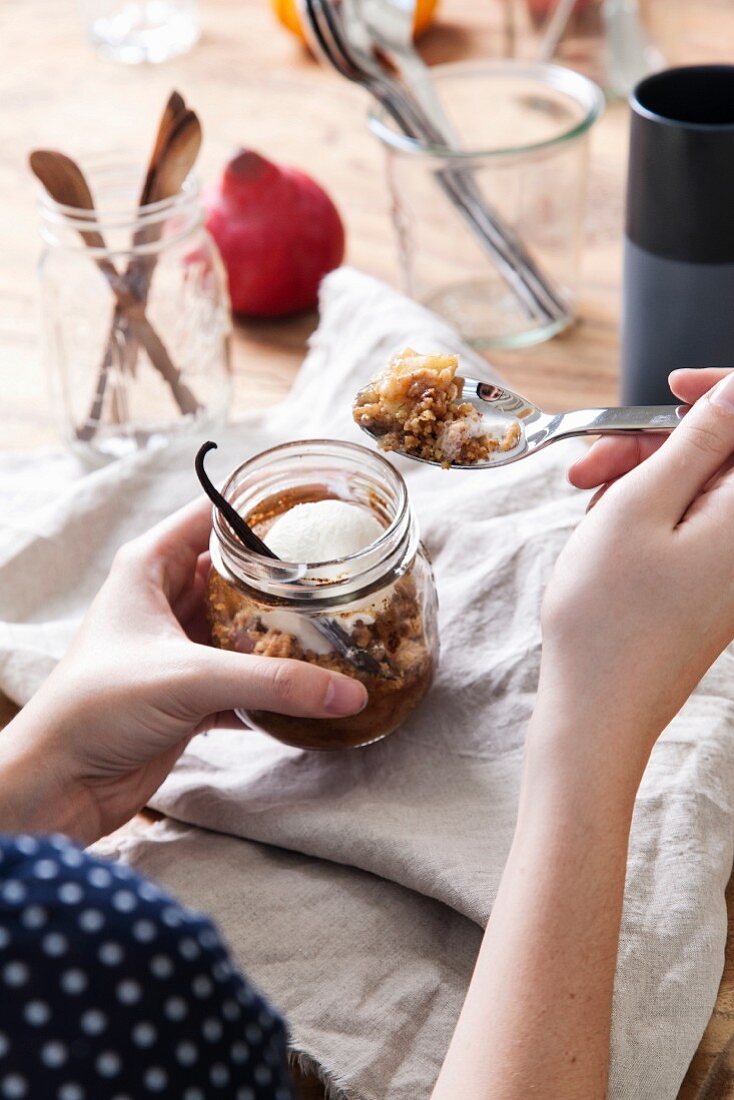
x: 351, y: 588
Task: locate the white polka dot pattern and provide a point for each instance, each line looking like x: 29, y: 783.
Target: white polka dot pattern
x: 73, y: 981
x: 37, y: 1013
x: 128, y: 992
x: 34, y: 916
x: 15, y: 973
x: 144, y: 1034
x: 13, y: 1086
x: 91, y: 920
x: 93, y: 1021
x: 71, y: 893
x: 71, y: 1091
x: 108, y: 1064
x: 54, y: 944
x: 109, y: 990
x: 53, y: 1054
x: 111, y: 954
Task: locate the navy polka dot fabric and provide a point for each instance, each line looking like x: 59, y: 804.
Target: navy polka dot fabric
x: 110, y: 990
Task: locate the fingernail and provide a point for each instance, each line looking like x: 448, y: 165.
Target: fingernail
x: 345, y: 696
x: 723, y: 393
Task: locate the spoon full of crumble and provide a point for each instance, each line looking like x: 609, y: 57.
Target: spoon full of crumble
x: 421, y: 408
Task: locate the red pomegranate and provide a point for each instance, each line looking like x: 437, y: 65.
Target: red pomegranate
x: 278, y: 232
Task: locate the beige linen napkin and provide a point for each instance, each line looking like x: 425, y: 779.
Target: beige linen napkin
x: 360, y: 880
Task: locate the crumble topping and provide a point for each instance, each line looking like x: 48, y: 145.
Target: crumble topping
x: 394, y: 626
x: 415, y: 406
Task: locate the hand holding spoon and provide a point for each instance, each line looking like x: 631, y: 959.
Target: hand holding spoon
x: 538, y: 429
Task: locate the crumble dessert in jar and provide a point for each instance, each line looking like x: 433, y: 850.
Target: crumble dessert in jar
x: 351, y: 588
x: 415, y: 407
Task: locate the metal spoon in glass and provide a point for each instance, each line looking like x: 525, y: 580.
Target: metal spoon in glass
x: 539, y: 429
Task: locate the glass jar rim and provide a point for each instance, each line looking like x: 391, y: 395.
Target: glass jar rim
x: 318, y: 585
x: 573, y: 84
x: 122, y: 227
x: 356, y: 449
x: 118, y: 215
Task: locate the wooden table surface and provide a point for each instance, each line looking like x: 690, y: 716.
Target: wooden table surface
x: 253, y: 85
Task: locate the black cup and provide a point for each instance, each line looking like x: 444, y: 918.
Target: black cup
x: 678, y: 292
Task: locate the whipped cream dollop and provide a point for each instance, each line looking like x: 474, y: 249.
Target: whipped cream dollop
x: 321, y: 531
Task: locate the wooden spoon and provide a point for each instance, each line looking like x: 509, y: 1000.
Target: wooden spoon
x: 167, y: 170
x: 136, y: 268
x: 175, y: 106
x: 179, y: 129
x: 175, y: 151
x: 64, y: 181
x: 177, y: 157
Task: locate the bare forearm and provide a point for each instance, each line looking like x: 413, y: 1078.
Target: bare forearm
x: 536, y: 1019
x: 36, y: 794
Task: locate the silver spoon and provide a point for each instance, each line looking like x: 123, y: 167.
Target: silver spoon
x: 387, y: 30
x: 539, y: 429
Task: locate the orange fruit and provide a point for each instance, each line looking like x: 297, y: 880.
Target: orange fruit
x: 288, y: 14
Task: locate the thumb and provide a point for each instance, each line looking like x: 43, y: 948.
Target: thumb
x: 694, y: 452
x: 224, y: 680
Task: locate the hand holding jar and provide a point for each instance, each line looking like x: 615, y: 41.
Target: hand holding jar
x: 137, y: 683
x: 140, y: 679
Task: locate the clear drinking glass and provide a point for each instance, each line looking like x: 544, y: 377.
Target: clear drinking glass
x: 699, y: 33
x: 381, y: 600
x: 523, y: 130
x: 135, y: 322
x: 607, y: 40
x: 133, y: 31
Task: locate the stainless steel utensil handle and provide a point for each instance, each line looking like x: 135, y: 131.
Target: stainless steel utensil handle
x: 617, y: 421
x: 535, y: 292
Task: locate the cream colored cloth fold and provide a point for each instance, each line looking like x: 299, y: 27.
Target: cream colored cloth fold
x: 353, y: 885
